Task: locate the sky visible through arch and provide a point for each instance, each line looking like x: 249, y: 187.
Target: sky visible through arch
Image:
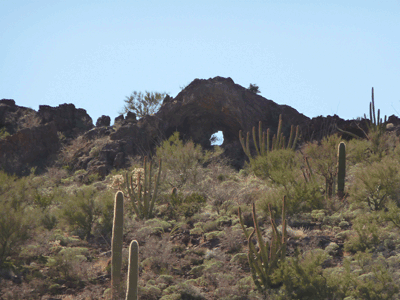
x: 320, y: 57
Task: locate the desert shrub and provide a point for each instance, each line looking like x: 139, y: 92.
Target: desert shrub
x: 279, y: 166
x: 187, y: 206
x: 15, y: 216
x: 14, y: 228
x: 366, y: 277
x: 301, y: 196
x: 392, y: 214
x: 4, y: 133
x: 283, y: 168
x: 357, y: 151
x: 367, y: 233
x: 233, y: 239
x: 68, y: 263
x: 302, y: 277
x: 42, y: 202
x: 182, y: 160
x: 377, y: 183
x: 84, y: 208
x: 380, y: 144
x: 157, y: 255
x: 104, y: 222
x: 323, y: 160
x: 149, y: 292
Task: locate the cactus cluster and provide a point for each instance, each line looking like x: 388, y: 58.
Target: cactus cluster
x: 375, y: 121
x: 266, y: 260
x: 264, y: 146
x: 116, y: 255
x: 140, y: 192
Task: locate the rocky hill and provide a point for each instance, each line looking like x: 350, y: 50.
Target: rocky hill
x: 35, y: 139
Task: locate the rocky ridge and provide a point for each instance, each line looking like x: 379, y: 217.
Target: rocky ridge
x: 36, y: 139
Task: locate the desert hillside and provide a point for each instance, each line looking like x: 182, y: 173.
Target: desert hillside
x: 286, y: 208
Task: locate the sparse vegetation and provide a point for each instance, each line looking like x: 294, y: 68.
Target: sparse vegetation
x: 55, y: 231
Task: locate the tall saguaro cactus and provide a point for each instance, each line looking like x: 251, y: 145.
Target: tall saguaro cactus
x: 116, y: 255
x: 265, y: 261
x: 141, y: 194
x: 341, y: 169
x: 133, y: 271
x: 116, y: 246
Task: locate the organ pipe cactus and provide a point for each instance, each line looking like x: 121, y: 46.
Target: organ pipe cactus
x: 341, y: 173
x: 133, y: 271
x: 140, y: 193
x: 375, y: 121
x: 266, y: 260
x: 116, y: 246
x: 264, y: 146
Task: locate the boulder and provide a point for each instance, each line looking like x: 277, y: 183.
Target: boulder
x: 69, y: 120
x: 103, y: 121
x: 29, y: 147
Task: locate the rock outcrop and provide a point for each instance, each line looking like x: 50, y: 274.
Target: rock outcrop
x: 103, y: 121
x: 218, y: 104
x: 204, y: 107
x: 32, y: 139
x: 69, y: 120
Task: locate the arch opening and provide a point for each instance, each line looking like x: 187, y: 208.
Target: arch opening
x: 217, y: 138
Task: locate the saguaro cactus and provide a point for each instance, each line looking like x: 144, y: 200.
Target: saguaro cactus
x: 264, y: 262
x: 341, y: 169
x: 116, y: 246
x: 143, y: 198
x: 133, y: 271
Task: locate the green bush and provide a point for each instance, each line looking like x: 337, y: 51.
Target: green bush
x: 14, y: 228
x: 367, y: 233
x: 279, y: 166
x: 85, y: 208
x: 302, y: 277
x: 187, y: 206
x: 377, y: 183
x: 323, y: 160
x: 366, y: 277
x: 182, y: 160
x: 15, y: 214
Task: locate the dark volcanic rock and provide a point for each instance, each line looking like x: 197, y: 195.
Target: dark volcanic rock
x: 218, y: 104
x: 103, y: 121
x: 33, y: 137
x: 319, y: 127
x: 67, y: 119
x: 200, y: 110
x: 29, y: 147
x: 14, y: 118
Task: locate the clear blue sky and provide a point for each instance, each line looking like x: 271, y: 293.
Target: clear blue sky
x: 320, y: 57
